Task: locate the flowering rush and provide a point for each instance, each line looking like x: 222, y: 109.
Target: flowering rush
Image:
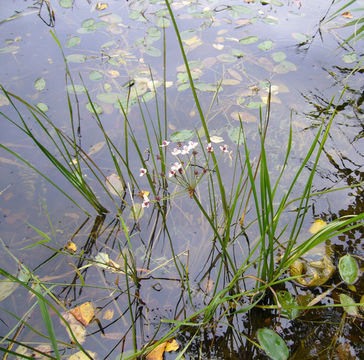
x: 142, y: 172
x: 176, y: 167
x: 146, y: 201
x: 165, y: 143
x: 224, y: 148
x: 209, y: 148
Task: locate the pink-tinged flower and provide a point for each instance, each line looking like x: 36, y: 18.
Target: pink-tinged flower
x: 185, y: 150
x: 192, y: 145
x: 209, y: 148
x: 146, y: 201
x: 176, y: 166
x: 164, y: 143
x: 224, y: 148
x: 142, y: 172
x: 176, y: 152
x: 171, y: 173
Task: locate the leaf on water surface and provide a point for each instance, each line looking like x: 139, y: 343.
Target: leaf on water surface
x: 349, y: 305
x: 216, y: 139
x: 108, y: 314
x: 114, y: 185
x: 317, y: 226
x: 39, y: 84
x: 80, y: 355
x: 73, y: 41
x: 265, y: 45
x: 7, y: 287
x: 78, y: 89
x: 236, y: 135
x: 235, y: 74
x: 362, y: 302
x: 193, y: 42
x: 348, y: 269
x: 3, y: 100
x: 101, y: 6
x: 148, y: 96
x: 273, y: 344
x: 42, y: 106
x: 76, y: 58
x: 347, y: 15
x: 71, y: 246
x: 284, y: 67
x: 95, y: 75
x: 271, y: 20
x: 188, y: 34
x: 109, y: 97
x: 66, y: 3
x: 78, y: 330
x: 153, y: 51
x: 157, y: 353
x: 103, y: 261
x: 9, y: 49
x: 286, y: 300
x: 349, y: 58
x: 96, y: 148
x: 278, y: 56
x: 136, y: 212
x: 206, y: 87
x: 248, y: 40
x: 163, y: 22
x: 226, y: 58
x: 183, y: 87
x: 230, y: 82
x: 302, y: 38
x: 182, y: 135
x: 238, y: 10
x: 97, y: 107
x: 254, y: 105
x: 83, y: 313
x: 113, y: 73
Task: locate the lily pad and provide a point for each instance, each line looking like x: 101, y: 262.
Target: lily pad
x: 109, y: 98
x: 163, y: 22
x: 348, y: 269
x: 279, y: 56
x: 97, y: 107
x: 66, y: 3
x: 284, y: 67
x: 76, y: 58
x: 73, y: 41
x: 349, y: 58
x: 265, y: 45
x: 182, y: 135
x: 79, y: 89
x: 249, y: 40
x: 95, y: 75
x: 302, y: 38
x: 273, y: 344
x: 271, y: 20
x: 153, y: 51
x: 39, y: 84
x: 42, y: 106
x: 236, y: 135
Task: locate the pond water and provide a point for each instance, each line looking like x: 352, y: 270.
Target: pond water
x: 115, y: 48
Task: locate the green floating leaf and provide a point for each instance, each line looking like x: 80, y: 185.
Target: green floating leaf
x: 238, y: 10
x: 148, y: 96
x: 163, y: 22
x: 109, y: 97
x: 7, y: 287
x: 348, y: 269
x: 79, y: 89
x: 349, y: 305
x: 265, y: 45
x: 279, y: 56
x: 226, y: 58
x: 43, y: 107
x: 273, y: 344
x: 108, y: 44
x: 183, y: 87
x: 254, y: 104
x: 135, y: 15
x: 271, y: 20
x: 284, y: 67
x: 349, y: 58
x: 302, y: 38
x: 66, y: 3
x: 97, y: 107
x: 153, y: 34
x: 73, y: 41
x: 76, y: 58
x: 249, y: 40
x: 8, y: 49
x: 95, y: 75
x: 136, y: 212
x: 152, y: 51
x: 39, y: 84
x: 236, y: 135
x: 188, y: 34
x: 286, y: 300
x: 238, y: 53
x: 206, y: 87
x: 276, y: 3
x: 182, y: 135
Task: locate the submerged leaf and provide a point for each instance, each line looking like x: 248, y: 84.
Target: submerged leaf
x: 249, y: 40
x: 76, y: 58
x: 236, y: 135
x: 284, y: 67
x: 97, y: 107
x: 95, y: 75
x: 114, y: 185
x: 349, y: 305
x: 273, y: 344
x: 7, y: 287
x: 265, y: 45
x: 39, y: 84
x: 349, y: 58
x: 73, y: 41
x: 66, y: 3
x: 83, y: 313
x: 182, y: 135
x: 348, y: 269
x: 80, y: 355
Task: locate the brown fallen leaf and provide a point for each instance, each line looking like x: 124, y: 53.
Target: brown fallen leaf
x: 347, y: 14
x: 157, y: 353
x: 101, y: 6
x: 83, y: 313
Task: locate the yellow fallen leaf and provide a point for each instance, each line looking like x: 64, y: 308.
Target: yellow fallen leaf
x: 172, y: 345
x: 114, y: 73
x: 347, y: 15
x: 80, y: 355
x: 83, y: 313
x: 317, y: 226
x: 157, y: 353
x: 71, y: 246
x: 108, y: 314
x: 101, y: 6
